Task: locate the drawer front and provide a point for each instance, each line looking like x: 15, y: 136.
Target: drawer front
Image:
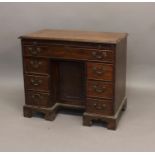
x: 38, y: 99
x: 64, y: 52
x: 99, y: 89
x: 39, y: 83
x: 68, y: 52
x: 38, y: 50
x: 33, y: 65
x: 81, y: 53
x: 100, y: 71
x: 102, y: 107
x: 102, y: 55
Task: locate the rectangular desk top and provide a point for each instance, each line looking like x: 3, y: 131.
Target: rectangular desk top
x: 80, y: 36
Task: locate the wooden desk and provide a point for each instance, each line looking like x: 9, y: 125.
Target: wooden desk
x: 76, y: 70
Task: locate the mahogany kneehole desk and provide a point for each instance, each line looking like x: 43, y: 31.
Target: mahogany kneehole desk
x: 75, y: 70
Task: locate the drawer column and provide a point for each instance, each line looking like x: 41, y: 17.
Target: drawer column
x: 39, y: 96
x: 99, y: 90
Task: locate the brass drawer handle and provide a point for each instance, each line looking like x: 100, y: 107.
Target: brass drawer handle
x: 35, y: 63
x: 38, y: 49
x: 99, y: 54
x: 30, y: 48
x: 101, y: 107
x: 36, y: 96
x: 36, y: 82
x: 34, y: 51
x: 99, y: 89
x: 98, y: 70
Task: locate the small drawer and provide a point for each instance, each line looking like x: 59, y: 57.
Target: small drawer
x: 35, y: 50
x: 38, y: 83
x: 105, y: 55
x: 33, y: 65
x: 100, y: 71
x: 101, y: 107
x: 99, y: 89
x: 38, y: 99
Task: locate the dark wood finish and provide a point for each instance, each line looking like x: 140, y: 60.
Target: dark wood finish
x: 36, y: 66
x: 85, y: 45
x: 38, y: 83
x: 120, y: 73
x: 98, y: 106
x: 111, y: 122
x: 38, y: 99
x: 100, y: 89
x: 99, y: 71
x: 35, y: 50
x: 68, y: 52
x: 79, y: 36
x: 75, y: 70
x: 71, y: 83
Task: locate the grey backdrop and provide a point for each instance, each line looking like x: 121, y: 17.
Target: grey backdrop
x: 137, y: 19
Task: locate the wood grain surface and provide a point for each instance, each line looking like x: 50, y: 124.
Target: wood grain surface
x: 72, y: 35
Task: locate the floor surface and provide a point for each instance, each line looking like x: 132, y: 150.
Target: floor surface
x: 135, y: 131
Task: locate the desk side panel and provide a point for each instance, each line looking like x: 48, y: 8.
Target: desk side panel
x: 120, y: 72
